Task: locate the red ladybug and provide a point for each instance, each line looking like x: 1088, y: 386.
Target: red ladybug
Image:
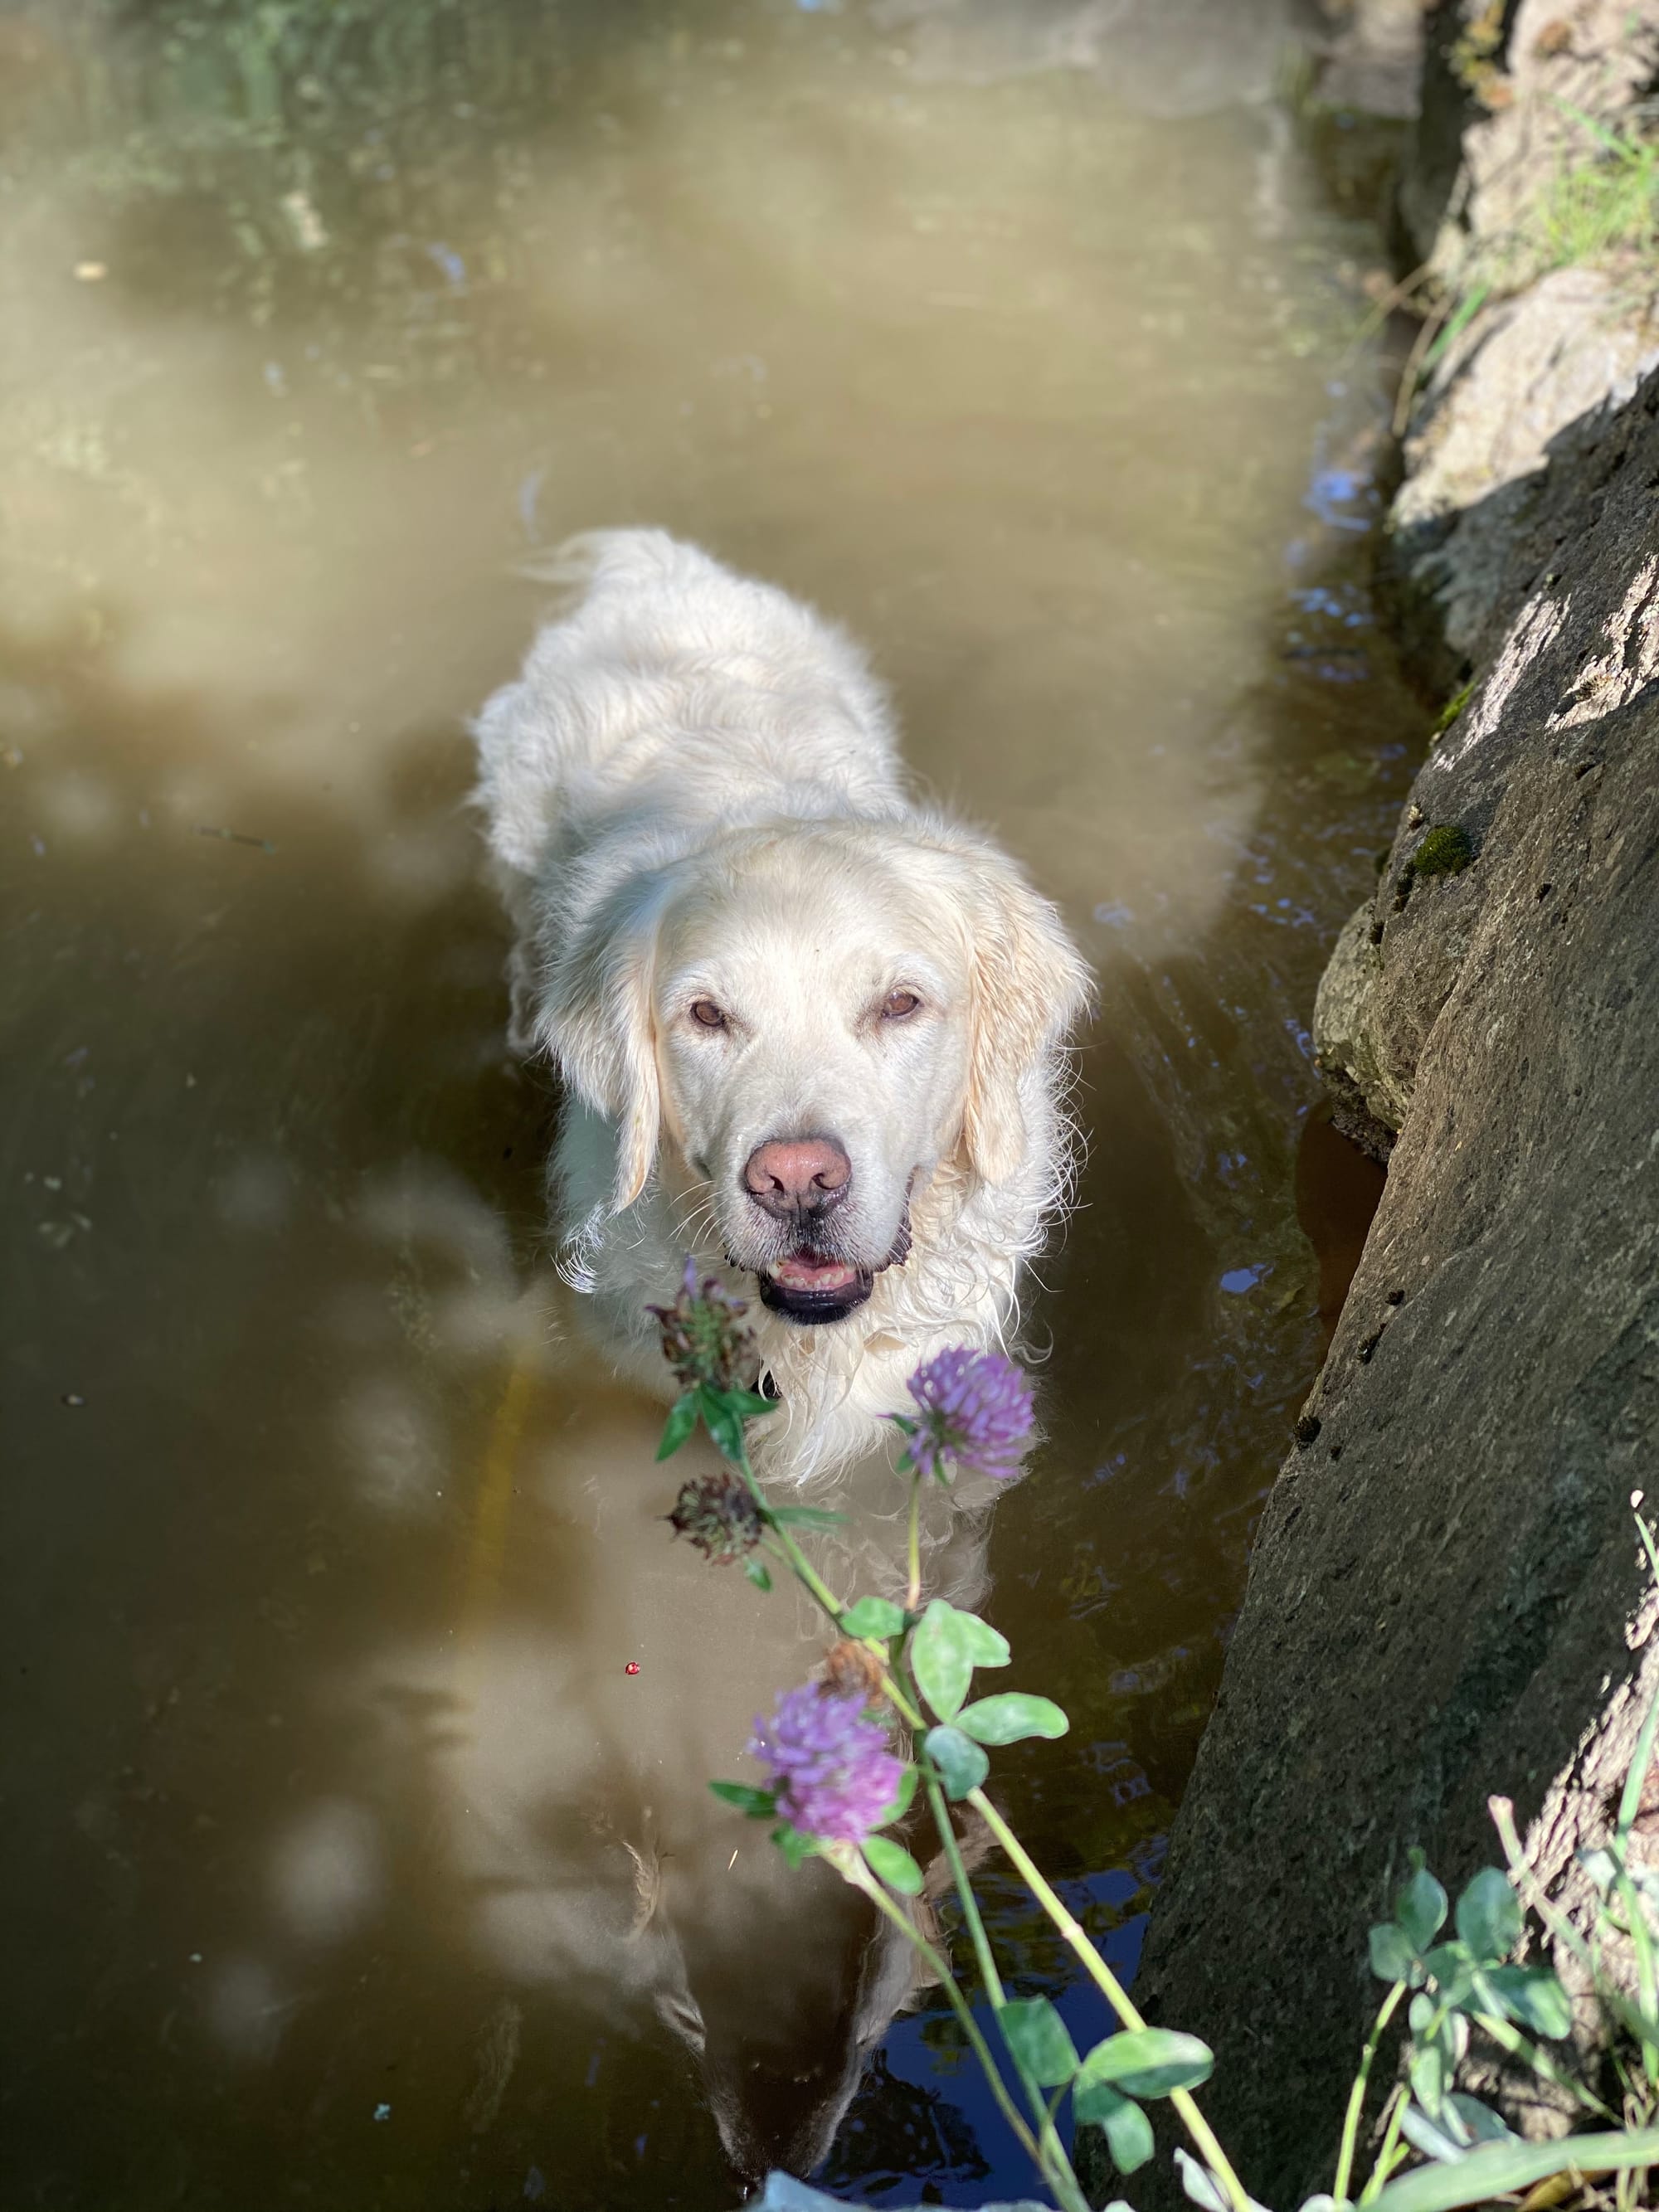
x: 632, y: 1667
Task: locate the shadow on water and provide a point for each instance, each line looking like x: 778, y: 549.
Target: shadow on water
x: 354, y: 1868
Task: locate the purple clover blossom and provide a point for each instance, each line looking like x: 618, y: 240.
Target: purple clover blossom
x: 976, y: 1410
x: 834, y: 1774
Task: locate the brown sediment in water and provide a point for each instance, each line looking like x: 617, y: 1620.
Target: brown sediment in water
x: 334, y: 1791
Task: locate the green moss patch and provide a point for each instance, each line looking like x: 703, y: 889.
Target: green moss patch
x: 1453, y: 708
x: 1446, y: 850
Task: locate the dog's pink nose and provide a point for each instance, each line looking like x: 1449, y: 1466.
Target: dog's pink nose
x: 797, y: 1175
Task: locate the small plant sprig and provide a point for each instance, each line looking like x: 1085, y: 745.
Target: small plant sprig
x: 845, y: 1758
x: 835, y: 1781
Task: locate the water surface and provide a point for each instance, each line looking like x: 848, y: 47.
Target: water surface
x: 353, y: 1868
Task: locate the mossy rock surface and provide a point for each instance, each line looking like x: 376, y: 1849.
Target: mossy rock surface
x: 1446, y: 850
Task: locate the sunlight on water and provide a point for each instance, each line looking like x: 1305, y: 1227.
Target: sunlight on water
x: 358, y: 1870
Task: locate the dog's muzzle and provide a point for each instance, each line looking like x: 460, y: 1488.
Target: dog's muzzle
x: 816, y: 1288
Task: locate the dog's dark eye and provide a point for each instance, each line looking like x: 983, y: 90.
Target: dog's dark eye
x: 899, y: 1006
x: 708, y: 1015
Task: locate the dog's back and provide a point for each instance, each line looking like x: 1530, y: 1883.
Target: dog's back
x: 673, y: 686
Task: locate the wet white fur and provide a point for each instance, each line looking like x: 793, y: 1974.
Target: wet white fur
x: 692, y: 790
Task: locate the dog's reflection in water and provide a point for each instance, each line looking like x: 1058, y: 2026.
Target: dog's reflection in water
x: 574, y: 1820
x: 782, y: 1997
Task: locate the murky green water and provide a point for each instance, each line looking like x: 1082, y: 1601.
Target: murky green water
x: 351, y: 1866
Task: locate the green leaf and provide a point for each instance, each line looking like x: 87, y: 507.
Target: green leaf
x: 1482, y: 2122
x: 946, y: 1647
x: 1505, y: 2169
x: 755, y: 1571
x: 1420, y: 1907
x: 962, y: 1765
x: 1600, y: 1866
x: 1148, y: 2061
x: 795, y: 1847
x: 746, y: 1404
x: 1453, y: 1967
x: 1531, y: 1994
x: 893, y: 1864
x: 759, y: 1804
x: 1392, y: 1956
x: 902, y: 1797
x: 1011, y: 1717
x: 1433, y: 2020
x: 1451, y: 2039
x: 720, y: 1421
x: 682, y: 1420
x: 1429, y: 2077
x: 1489, y: 1916
x: 873, y: 1616
x: 986, y: 1646
x: 1635, y: 1777
x: 1448, y: 1962
x: 1129, y: 2131
x: 803, y: 1516
x: 1038, y: 2038
x: 723, y: 1424
x: 1129, y: 2137
x: 1443, y: 2141
x: 1435, y: 2027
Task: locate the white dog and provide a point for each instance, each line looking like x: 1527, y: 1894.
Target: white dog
x: 810, y: 1031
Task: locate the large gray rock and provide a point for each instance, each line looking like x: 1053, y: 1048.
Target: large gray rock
x: 1446, y: 1596
x: 1520, y: 374
x: 1514, y: 99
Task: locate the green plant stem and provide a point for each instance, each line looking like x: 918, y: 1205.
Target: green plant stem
x: 1057, y: 2165
x: 1503, y: 1819
x: 1642, y: 1944
x: 1113, y: 1991
x: 1061, y: 2174
x: 1538, y: 2061
x: 827, y: 1602
x: 1383, y: 2165
x: 852, y: 1868
x: 1630, y: 1798
x: 802, y: 1567
x: 1357, y: 2095
x: 913, y: 1586
x: 1115, y: 1995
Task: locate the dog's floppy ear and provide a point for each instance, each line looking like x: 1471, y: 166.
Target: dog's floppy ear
x: 594, y: 1015
x: 1030, y: 984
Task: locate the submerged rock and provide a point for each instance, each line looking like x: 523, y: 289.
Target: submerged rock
x: 1163, y: 57
x: 1374, y: 62
x: 1447, y: 1596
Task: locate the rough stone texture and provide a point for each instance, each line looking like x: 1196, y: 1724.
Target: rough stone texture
x: 1521, y: 373
x: 1446, y: 1596
x: 1511, y: 95
x: 1499, y: 82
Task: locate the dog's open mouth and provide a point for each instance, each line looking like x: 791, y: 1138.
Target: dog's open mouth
x: 807, y: 1286
x: 807, y: 1271
x: 815, y: 1288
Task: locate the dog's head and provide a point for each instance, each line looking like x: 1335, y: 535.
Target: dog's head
x: 814, y: 1016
